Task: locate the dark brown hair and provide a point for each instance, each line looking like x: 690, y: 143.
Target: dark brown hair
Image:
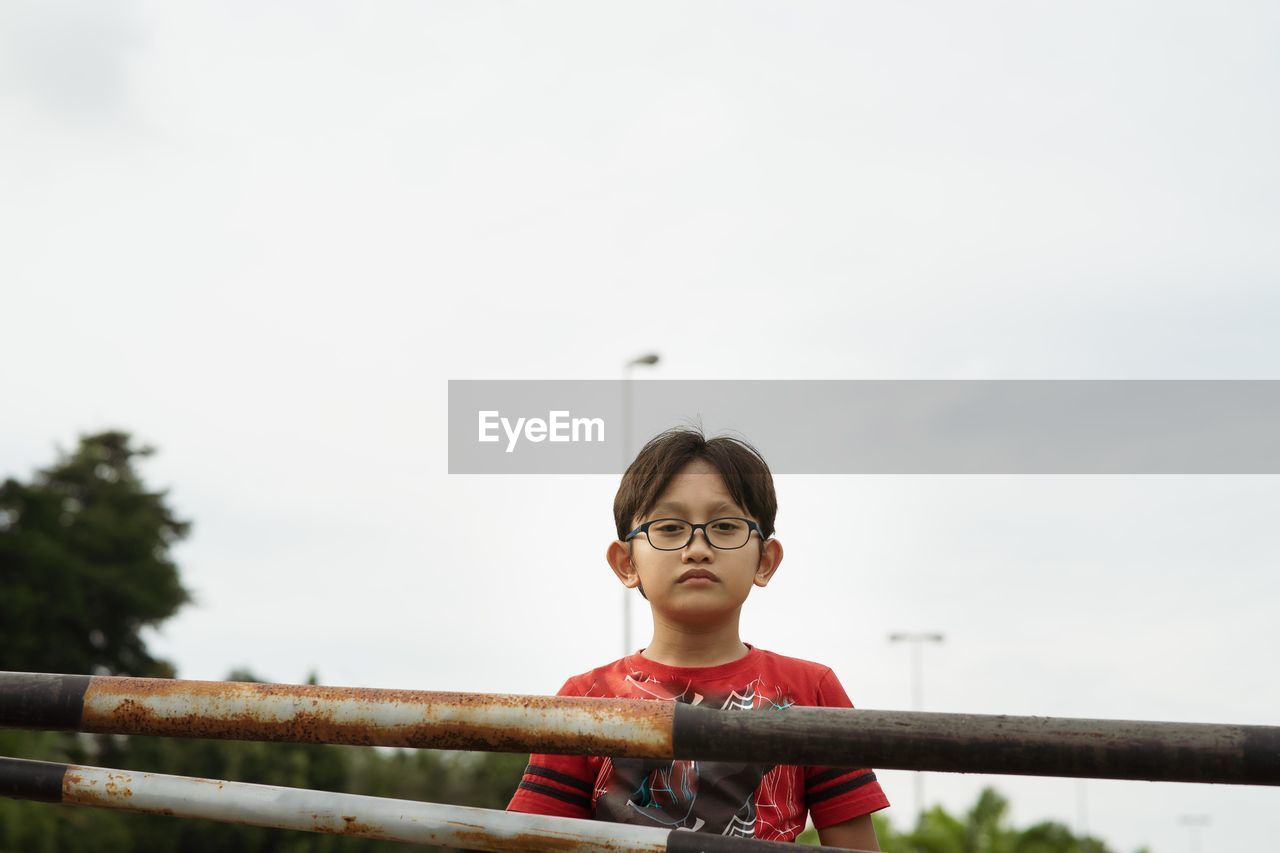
x: 746, y: 475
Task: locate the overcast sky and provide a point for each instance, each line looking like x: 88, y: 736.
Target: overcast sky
x: 263, y: 237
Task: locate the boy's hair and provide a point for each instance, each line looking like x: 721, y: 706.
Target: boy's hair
x: 746, y: 475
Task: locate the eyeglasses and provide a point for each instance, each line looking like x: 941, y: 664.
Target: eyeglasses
x: 675, y: 534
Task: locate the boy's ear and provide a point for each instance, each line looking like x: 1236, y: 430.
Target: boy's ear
x: 770, y: 558
x: 619, y: 558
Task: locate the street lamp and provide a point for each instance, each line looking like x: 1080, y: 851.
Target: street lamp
x: 916, y: 640
x: 1193, y: 822
x: 646, y: 360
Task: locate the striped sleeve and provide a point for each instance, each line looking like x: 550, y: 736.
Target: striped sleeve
x: 559, y: 785
x: 837, y: 794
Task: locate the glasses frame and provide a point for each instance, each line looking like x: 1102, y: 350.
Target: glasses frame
x: 693, y: 529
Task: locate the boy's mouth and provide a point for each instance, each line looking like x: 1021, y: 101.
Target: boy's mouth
x: 693, y: 574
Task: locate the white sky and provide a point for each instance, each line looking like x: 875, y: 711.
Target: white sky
x: 263, y: 237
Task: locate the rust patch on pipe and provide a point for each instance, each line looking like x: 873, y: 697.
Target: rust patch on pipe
x: 116, y: 793
x: 118, y: 786
x: 214, y: 709
x: 351, y: 825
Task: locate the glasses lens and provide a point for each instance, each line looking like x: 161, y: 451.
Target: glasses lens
x: 728, y: 532
x: 669, y: 534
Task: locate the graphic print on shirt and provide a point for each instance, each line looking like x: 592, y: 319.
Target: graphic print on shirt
x: 703, y: 796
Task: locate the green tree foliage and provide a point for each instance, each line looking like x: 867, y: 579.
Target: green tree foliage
x: 983, y: 829
x: 85, y: 565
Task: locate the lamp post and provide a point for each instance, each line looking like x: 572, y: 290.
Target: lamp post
x: 916, y: 640
x: 646, y: 360
x: 1193, y: 822
x: 1082, y: 809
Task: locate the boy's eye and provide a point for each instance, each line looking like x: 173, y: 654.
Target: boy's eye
x: 669, y: 527
x: 728, y: 525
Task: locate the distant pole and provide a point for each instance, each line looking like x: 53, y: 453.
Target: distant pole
x: 1082, y: 809
x: 646, y: 360
x: 916, y: 640
x: 1193, y: 822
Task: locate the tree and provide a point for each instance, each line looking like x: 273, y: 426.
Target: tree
x: 85, y: 564
x: 982, y: 830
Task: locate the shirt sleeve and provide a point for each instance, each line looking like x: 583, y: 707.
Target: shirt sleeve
x: 836, y: 794
x: 559, y: 785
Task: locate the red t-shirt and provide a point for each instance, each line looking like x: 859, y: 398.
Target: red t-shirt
x: 727, y: 798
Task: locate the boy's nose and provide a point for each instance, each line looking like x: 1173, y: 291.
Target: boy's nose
x: 698, y: 545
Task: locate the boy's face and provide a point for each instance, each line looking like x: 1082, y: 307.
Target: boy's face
x: 698, y: 585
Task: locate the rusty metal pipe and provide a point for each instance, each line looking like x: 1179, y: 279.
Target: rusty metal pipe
x: 966, y: 743
x: 351, y: 814
x: 348, y: 715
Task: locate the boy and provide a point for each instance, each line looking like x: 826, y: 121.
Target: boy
x: 695, y: 525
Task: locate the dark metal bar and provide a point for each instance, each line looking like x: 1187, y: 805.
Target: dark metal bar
x: 31, y: 780
x: 38, y: 700
x: 976, y: 743
x: 352, y: 814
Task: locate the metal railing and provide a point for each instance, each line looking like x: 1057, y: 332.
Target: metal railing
x: 347, y: 814
x: 971, y: 743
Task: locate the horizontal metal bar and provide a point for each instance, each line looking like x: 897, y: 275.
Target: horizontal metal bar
x: 346, y: 715
x: 839, y: 737
x: 353, y: 814
x: 978, y: 743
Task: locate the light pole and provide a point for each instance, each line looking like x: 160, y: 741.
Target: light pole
x: 646, y: 360
x: 1193, y: 822
x: 1082, y: 809
x: 916, y: 640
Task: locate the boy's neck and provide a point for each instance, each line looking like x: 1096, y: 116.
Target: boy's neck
x: 686, y: 646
